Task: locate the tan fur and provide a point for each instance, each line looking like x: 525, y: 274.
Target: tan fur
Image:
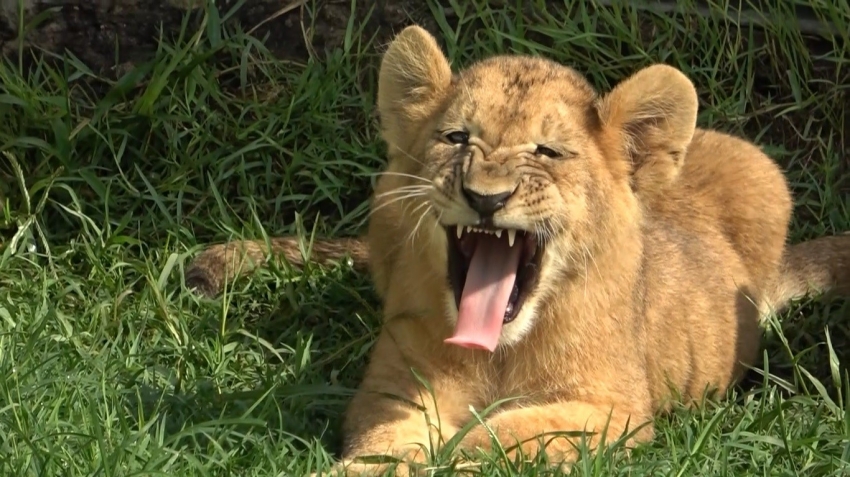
x: 223, y: 263
x: 666, y: 245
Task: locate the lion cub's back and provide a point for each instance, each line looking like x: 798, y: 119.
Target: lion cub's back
x: 714, y: 242
x: 745, y: 194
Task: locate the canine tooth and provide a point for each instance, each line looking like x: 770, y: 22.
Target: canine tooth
x: 511, y: 237
x: 459, y: 230
x: 498, y: 233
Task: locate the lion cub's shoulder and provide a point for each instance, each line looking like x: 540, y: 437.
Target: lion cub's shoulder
x: 729, y: 191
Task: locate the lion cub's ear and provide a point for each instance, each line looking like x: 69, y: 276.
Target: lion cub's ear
x: 651, y: 117
x: 414, y: 78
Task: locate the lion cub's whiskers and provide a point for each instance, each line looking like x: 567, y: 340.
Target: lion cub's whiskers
x: 400, y: 190
x: 394, y: 200
x: 414, y: 232
x: 401, y: 174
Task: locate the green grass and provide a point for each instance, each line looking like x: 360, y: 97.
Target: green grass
x: 111, y: 367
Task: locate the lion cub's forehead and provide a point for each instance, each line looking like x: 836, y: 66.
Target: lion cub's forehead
x: 522, y: 92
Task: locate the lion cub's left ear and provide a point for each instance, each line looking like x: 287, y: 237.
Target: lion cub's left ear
x: 650, y: 118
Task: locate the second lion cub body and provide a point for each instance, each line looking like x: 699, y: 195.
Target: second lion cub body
x: 586, y: 254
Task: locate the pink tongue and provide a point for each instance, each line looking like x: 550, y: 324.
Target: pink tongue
x: 486, y: 293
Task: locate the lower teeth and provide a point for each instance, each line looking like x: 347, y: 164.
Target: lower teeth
x: 510, y: 308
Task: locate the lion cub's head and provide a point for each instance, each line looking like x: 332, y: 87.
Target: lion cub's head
x: 520, y: 172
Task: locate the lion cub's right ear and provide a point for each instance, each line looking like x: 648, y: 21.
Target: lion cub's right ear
x: 413, y: 79
x: 650, y: 117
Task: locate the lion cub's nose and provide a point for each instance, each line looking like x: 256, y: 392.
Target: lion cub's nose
x: 486, y: 205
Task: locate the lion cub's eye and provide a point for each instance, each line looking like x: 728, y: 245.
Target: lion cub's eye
x: 545, y: 151
x: 457, y: 137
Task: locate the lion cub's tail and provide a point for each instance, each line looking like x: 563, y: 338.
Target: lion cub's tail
x: 819, y: 266
x: 223, y: 263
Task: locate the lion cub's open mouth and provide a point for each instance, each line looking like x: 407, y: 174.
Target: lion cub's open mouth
x: 491, y: 272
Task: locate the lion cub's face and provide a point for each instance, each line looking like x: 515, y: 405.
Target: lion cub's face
x: 522, y: 177
x: 516, y: 179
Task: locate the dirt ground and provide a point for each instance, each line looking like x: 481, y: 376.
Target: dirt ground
x: 108, y: 33
x: 105, y: 34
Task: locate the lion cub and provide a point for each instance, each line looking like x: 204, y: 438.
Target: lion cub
x: 590, y: 255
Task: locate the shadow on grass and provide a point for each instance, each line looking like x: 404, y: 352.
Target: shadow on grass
x: 309, y: 334
x: 813, y: 338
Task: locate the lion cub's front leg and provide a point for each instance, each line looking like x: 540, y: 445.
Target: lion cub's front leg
x: 394, y: 415
x: 377, y: 427
x: 559, y: 427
